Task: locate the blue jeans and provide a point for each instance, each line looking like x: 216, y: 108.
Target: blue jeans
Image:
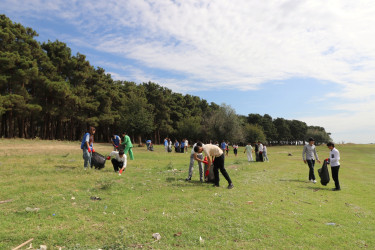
x: 86, y: 158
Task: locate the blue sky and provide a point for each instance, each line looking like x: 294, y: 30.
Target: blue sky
x: 312, y: 61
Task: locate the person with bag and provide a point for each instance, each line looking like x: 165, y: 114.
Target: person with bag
x: 213, y: 151
x: 334, y: 161
x: 87, y: 146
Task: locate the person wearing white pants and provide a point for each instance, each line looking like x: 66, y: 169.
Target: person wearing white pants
x: 249, y: 152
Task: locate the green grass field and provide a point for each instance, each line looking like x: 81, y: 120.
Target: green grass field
x: 271, y: 206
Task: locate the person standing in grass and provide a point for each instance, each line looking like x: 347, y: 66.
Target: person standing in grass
x: 128, y: 146
x: 186, y: 145
x: 249, y: 152
x: 87, y: 146
x: 223, y: 145
x: 182, y: 146
x: 235, y: 149
x: 216, y: 153
x: 334, y: 160
x: 265, y: 157
x: 169, y: 145
x: 309, y: 155
x: 260, y: 151
x: 195, y: 156
x: 176, y: 146
x: 256, y: 146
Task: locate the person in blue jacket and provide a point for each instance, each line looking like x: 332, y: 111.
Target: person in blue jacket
x: 182, y: 146
x: 116, y: 141
x: 87, y: 146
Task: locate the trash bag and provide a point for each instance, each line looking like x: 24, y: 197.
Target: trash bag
x: 324, y: 173
x: 208, y: 177
x: 97, y: 160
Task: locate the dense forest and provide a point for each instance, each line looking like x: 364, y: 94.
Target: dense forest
x: 48, y: 93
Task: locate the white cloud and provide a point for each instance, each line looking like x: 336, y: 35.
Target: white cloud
x: 241, y: 43
x: 232, y: 44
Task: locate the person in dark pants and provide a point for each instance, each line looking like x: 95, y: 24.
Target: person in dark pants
x: 118, y: 160
x: 334, y: 160
x: 308, y: 156
x: 256, y: 146
x: 212, y: 151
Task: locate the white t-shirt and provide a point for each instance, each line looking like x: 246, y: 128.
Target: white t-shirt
x: 260, y: 147
x: 212, y: 150
x: 115, y: 155
x: 334, y: 158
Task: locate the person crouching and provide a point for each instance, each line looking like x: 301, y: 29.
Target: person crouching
x: 118, y: 160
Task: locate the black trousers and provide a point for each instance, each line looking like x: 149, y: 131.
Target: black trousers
x: 219, y: 165
x: 311, y: 164
x: 261, y: 156
x: 335, y: 176
x: 117, y: 165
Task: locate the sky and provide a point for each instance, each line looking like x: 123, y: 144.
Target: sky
x: 312, y: 61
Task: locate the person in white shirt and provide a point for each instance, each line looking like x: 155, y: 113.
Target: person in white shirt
x: 118, y: 160
x: 265, y: 157
x: 249, y: 152
x: 334, y: 160
x: 186, y: 145
x: 195, y: 156
x: 235, y: 149
x: 308, y: 156
x: 213, y: 151
x: 260, y: 151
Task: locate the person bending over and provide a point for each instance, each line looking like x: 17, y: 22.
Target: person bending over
x: 215, y: 153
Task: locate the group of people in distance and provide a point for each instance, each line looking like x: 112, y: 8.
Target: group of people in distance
x: 260, y: 152
x: 214, y: 154
x: 179, y: 147
x: 309, y: 155
x: 121, y: 147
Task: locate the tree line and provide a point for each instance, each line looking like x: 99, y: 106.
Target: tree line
x: 48, y: 93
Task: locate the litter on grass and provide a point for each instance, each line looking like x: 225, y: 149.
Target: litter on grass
x: 156, y: 236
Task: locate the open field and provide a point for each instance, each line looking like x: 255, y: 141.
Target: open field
x: 271, y: 206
